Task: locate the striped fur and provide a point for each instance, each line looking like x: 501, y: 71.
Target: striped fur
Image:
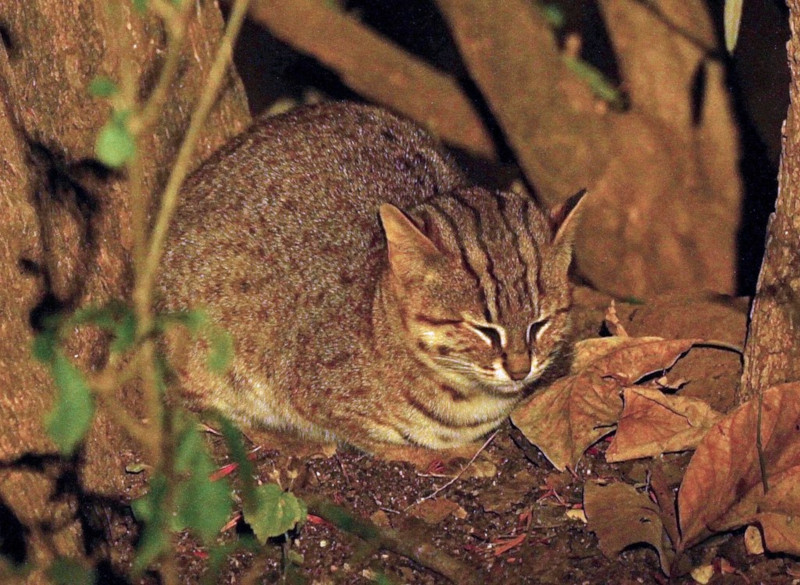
x: 374, y: 297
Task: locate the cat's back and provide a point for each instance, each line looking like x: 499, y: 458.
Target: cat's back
x: 317, y: 164
x: 285, y: 218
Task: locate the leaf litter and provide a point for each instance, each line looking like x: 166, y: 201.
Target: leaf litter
x: 607, y: 390
x: 617, y: 384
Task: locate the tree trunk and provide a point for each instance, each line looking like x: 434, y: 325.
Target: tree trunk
x: 772, y: 350
x: 65, y: 236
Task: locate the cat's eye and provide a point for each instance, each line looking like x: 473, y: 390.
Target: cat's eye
x: 535, y: 328
x: 490, y: 334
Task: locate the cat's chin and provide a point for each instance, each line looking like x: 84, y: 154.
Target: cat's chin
x: 508, y: 388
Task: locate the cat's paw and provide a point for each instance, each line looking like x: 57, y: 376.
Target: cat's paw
x: 447, y: 462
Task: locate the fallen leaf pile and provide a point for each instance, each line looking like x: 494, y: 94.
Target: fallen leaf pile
x: 576, y: 411
x: 613, y: 386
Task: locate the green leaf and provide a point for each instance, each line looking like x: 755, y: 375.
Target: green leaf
x: 65, y: 571
x: 554, y: 16
x: 45, y: 345
x: 275, y: 513
x: 195, y: 320
x: 598, y: 82
x: 140, y: 6
x: 115, y: 145
x: 233, y: 437
x: 733, y: 20
x: 101, y: 86
x: 102, y: 316
x: 150, y: 511
x: 71, y: 416
x: 124, y: 332
x: 137, y: 467
x: 203, y: 505
x: 220, y: 352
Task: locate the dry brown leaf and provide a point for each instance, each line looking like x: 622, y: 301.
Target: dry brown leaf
x: 620, y: 516
x: 778, y: 514
x: 564, y: 419
x: 653, y: 423
x: 435, y: 511
x: 722, y: 488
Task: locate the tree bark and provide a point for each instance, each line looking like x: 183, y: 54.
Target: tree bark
x: 664, y: 192
x: 66, y: 234
x: 772, y: 350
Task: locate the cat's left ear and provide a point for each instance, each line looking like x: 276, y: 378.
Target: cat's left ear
x: 565, y: 218
x: 410, y: 251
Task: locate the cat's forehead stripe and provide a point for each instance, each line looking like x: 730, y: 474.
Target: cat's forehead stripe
x: 521, y: 285
x: 528, y: 239
x: 449, y: 225
x: 478, y: 254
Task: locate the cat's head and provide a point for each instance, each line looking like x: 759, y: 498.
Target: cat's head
x: 480, y: 283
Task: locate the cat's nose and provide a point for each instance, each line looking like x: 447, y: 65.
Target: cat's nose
x: 518, y: 365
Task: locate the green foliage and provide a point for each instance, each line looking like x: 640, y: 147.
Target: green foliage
x: 554, y: 15
x: 150, y: 509
x: 199, y: 324
x: 45, y: 345
x: 195, y: 321
x: 102, y: 87
x: 115, y: 318
x: 71, y: 417
x: 140, y: 6
x: 273, y: 512
x: 220, y: 352
x: 599, y: 84
x: 115, y: 145
x: 197, y: 503
x: 203, y: 505
x: 732, y: 18
x: 65, y: 571
x: 267, y: 509
x: 69, y: 420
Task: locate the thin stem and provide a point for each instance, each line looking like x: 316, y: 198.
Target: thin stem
x: 136, y: 430
x: 105, y: 385
x: 455, y: 478
x: 176, y: 23
x: 144, y: 289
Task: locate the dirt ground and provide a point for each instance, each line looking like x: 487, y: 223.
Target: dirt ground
x: 511, y: 518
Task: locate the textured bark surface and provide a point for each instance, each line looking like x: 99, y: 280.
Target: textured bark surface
x: 772, y: 352
x: 65, y: 236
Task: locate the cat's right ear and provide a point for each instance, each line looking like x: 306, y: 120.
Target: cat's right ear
x: 564, y: 219
x: 410, y: 251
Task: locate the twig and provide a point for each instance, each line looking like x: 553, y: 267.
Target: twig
x: 461, y: 471
x: 144, y: 286
x: 714, y: 344
x: 176, y: 24
x: 400, y: 542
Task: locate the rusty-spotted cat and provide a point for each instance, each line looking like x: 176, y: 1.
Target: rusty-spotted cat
x: 374, y: 297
